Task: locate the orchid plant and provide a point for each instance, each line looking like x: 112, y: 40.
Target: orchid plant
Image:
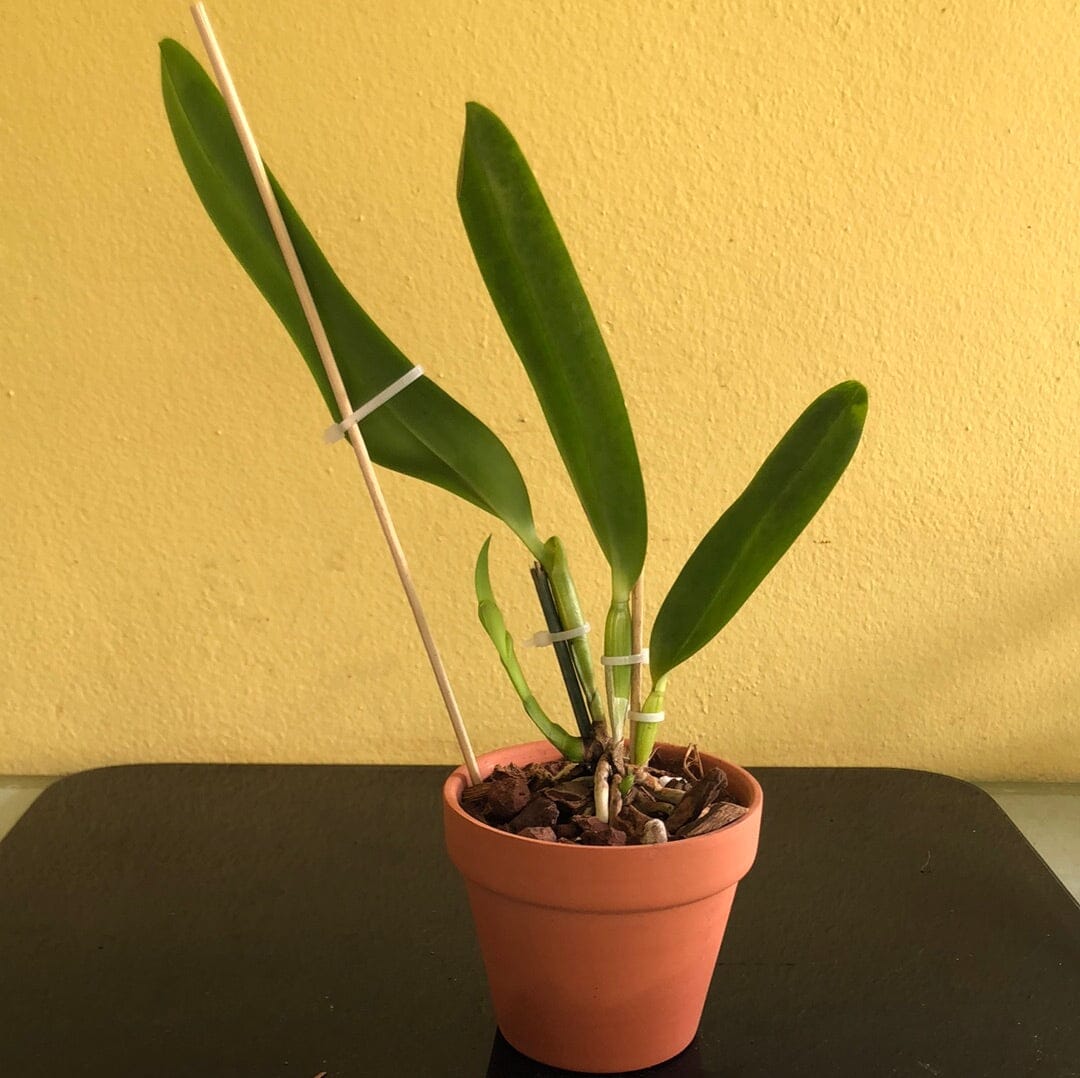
x: 425, y: 433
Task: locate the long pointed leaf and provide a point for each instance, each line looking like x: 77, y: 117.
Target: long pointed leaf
x: 573, y: 748
x: 539, y: 297
x: 753, y: 534
x: 423, y: 431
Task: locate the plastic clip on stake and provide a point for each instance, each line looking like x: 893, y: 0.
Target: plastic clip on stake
x: 545, y: 639
x: 647, y: 716
x: 620, y: 713
x: 339, y: 430
x: 626, y: 660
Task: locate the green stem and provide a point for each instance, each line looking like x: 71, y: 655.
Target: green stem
x: 645, y: 732
x: 557, y: 567
x: 533, y: 544
x: 573, y: 748
x: 617, y: 637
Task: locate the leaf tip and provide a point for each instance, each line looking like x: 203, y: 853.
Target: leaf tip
x: 482, y: 578
x: 860, y: 401
x: 855, y: 392
x: 476, y: 113
x: 482, y: 125
x: 169, y: 48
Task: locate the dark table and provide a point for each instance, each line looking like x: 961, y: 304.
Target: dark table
x: 234, y: 921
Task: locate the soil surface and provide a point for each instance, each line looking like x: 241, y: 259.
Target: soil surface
x: 557, y: 802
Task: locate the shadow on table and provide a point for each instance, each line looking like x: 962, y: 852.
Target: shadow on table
x: 507, y: 1062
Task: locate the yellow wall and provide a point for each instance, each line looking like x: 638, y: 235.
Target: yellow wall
x: 762, y: 199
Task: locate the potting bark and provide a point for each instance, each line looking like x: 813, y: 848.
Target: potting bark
x: 553, y: 802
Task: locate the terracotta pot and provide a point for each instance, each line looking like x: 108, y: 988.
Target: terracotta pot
x: 599, y: 958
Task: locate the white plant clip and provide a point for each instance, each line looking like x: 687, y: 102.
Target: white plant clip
x: 339, y: 430
x: 545, y: 639
x: 647, y: 716
x: 626, y: 660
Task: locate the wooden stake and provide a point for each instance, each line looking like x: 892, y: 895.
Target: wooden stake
x: 637, y: 641
x: 341, y: 396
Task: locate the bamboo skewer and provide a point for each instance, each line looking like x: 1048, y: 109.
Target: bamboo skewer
x: 637, y: 639
x: 637, y: 643
x: 341, y: 396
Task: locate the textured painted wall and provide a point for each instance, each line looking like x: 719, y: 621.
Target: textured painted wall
x: 762, y: 199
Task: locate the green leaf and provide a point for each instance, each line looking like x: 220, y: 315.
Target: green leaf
x: 422, y: 432
x: 752, y: 536
x: 539, y: 297
x: 573, y: 748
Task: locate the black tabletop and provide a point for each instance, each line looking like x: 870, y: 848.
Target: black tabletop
x: 201, y: 921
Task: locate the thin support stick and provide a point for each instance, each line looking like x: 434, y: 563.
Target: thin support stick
x: 637, y: 639
x: 341, y: 396
x: 637, y: 642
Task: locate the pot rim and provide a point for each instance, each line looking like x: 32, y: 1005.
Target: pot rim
x: 457, y: 780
